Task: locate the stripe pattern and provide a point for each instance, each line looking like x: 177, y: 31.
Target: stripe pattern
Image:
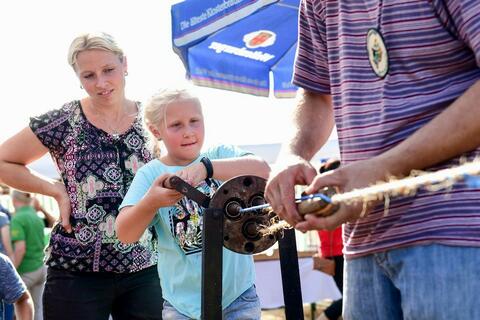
x: 434, y: 57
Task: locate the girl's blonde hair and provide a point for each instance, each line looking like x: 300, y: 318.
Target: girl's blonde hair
x: 155, y: 110
x: 91, y: 41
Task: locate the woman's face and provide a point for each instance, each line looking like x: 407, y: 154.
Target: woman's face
x: 102, y: 75
x: 182, y: 132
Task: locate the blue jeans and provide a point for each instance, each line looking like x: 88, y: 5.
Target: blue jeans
x: 245, y: 307
x: 420, y: 282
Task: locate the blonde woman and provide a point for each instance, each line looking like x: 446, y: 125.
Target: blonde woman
x: 97, y: 144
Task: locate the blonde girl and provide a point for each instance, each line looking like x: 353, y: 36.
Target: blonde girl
x: 175, y: 118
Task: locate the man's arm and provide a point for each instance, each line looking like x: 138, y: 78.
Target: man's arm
x: 13, y: 289
x: 454, y: 131
x: 313, y: 123
x: 19, y: 252
x: 24, y: 307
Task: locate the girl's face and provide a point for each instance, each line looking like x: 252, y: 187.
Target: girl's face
x: 101, y: 74
x: 182, y: 131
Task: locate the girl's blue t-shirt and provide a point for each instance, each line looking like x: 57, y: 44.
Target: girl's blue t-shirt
x: 179, y: 231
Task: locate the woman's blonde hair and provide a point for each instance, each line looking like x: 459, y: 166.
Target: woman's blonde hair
x: 155, y: 110
x: 23, y: 197
x: 91, y: 41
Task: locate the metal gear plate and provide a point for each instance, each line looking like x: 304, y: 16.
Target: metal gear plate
x: 242, y: 232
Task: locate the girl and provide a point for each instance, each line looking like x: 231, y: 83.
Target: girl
x: 175, y: 117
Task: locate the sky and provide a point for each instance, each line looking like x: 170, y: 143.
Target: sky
x: 35, y: 76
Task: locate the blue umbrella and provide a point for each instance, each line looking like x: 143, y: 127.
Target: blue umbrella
x: 238, y: 45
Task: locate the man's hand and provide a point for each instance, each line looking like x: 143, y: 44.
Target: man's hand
x: 357, y: 175
x: 280, y: 189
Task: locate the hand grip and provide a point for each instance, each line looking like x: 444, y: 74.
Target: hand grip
x: 171, y: 182
x: 177, y: 183
x: 318, y: 206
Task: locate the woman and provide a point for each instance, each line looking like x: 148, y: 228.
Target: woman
x: 97, y: 144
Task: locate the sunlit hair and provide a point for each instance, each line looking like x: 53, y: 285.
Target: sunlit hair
x: 155, y: 110
x: 91, y: 41
x: 20, y: 196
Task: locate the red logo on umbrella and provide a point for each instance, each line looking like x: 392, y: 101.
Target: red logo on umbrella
x: 260, y: 38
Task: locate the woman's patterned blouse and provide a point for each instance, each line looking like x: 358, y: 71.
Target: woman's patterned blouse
x: 97, y: 169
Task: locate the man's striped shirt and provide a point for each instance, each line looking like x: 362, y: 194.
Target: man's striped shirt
x: 434, y: 57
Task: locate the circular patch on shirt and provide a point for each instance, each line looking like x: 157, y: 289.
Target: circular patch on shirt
x: 377, y: 52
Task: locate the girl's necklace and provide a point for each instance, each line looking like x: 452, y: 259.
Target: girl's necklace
x: 376, y: 48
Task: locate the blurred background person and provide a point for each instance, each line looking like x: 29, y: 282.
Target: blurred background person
x: 6, y: 248
x: 13, y: 291
x: 5, y: 211
x: 330, y: 261
x: 29, y: 243
x: 5, y: 240
x: 330, y: 251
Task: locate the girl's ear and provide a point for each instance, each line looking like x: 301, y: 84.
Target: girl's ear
x: 156, y: 133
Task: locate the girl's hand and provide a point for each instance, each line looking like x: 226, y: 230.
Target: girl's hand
x: 64, y: 205
x: 194, y: 174
x: 158, y: 195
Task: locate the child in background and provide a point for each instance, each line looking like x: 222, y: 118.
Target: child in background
x: 6, y: 248
x: 175, y: 117
x: 331, y: 246
x: 13, y: 291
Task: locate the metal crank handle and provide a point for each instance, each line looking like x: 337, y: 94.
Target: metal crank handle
x: 317, y: 205
x: 177, y: 183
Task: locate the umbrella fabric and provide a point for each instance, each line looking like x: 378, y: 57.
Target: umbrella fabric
x: 248, y: 54
x: 193, y: 20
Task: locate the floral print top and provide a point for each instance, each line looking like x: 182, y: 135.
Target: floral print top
x: 97, y: 169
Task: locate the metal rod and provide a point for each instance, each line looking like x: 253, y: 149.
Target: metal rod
x: 297, y: 200
x: 254, y: 208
